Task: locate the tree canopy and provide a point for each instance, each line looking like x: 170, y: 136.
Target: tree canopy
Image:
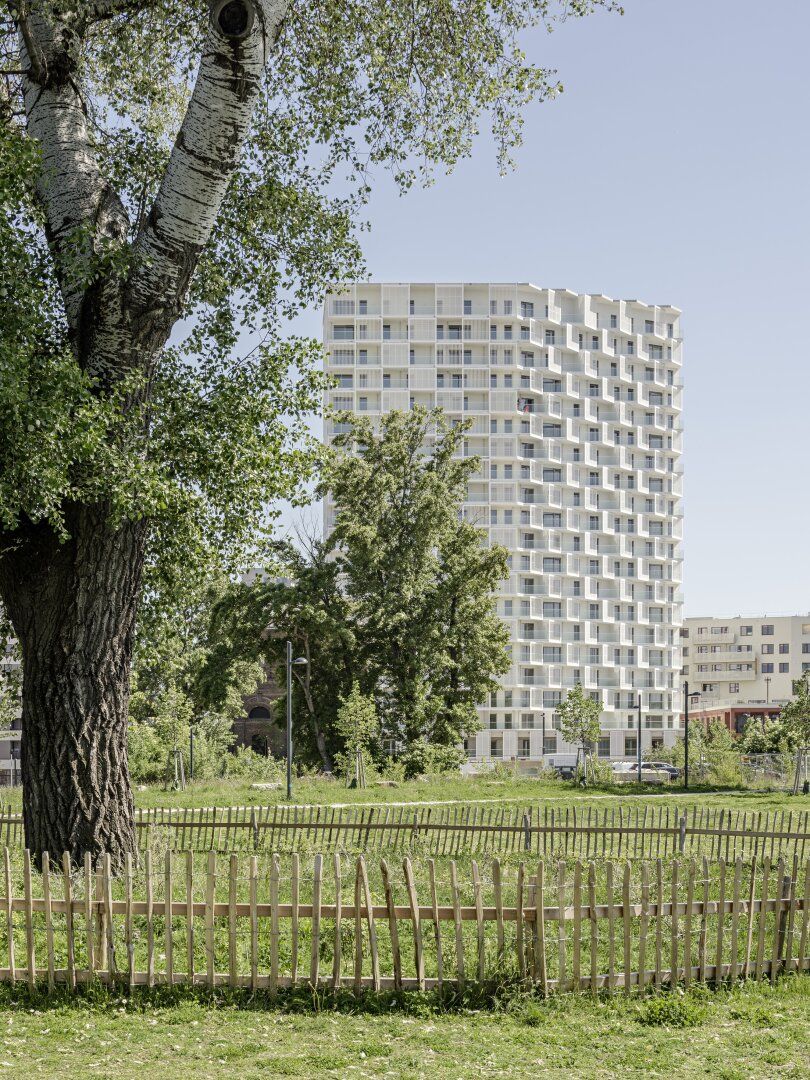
x: 399, y: 598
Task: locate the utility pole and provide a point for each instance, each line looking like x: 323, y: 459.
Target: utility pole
x: 686, y: 736
x: 290, y: 664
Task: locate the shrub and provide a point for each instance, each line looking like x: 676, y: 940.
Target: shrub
x: 246, y: 764
x: 427, y: 759
x: 670, y: 1010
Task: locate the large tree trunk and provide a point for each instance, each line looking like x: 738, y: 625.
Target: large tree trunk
x: 73, y: 606
x: 72, y: 599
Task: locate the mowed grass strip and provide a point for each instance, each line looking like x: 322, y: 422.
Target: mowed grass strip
x: 525, y: 791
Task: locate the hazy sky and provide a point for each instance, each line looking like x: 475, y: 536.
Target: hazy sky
x: 675, y: 169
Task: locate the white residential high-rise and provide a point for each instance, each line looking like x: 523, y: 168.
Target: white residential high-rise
x: 575, y: 402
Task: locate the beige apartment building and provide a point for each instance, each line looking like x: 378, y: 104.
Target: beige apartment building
x: 744, y: 663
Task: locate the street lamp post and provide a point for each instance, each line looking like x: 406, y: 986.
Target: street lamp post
x: 767, y: 689
x: 686, y: 696
x: 638, y: 739
x: 290, y: 664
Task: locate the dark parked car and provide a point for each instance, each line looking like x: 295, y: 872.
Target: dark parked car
x: 565, y: 772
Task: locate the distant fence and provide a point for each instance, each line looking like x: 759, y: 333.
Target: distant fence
x: 644, y: 831
x: 647, y: 831
x: 277, y: 922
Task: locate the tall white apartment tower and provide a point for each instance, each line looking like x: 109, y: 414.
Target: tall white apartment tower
x: 575, y: 403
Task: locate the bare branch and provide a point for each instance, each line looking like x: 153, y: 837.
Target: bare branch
x: 100, y: 10
x: 38, y: 69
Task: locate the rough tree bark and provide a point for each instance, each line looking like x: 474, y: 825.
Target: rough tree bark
x: 73, y: 603
x: 73, y: 606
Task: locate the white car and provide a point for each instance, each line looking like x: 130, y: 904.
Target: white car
x: 627, y: 771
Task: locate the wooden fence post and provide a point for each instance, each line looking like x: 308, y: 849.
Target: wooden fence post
x: 682, y: 834
x: 29, y: 922
x: 71, y: 959
x: 784, y: 897
x: 527, y: 832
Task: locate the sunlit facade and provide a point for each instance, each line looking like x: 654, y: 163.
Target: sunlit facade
x: 575, y: 403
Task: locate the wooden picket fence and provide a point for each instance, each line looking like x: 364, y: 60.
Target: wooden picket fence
x: 267, y: 923
x: 586, y: 831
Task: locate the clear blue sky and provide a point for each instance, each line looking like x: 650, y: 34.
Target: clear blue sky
x: 674, y: 168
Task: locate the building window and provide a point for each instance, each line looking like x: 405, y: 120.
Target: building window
x: 527, y: 721
x: 550, y: 744
x: 767, y: 630
x: 603, y: 746
x: 630, y: 745
x: 734, y: 688
x: 746, y: 631
x: 784, y: 669
x: 767, y: 669
x: 767, y: 650
x: 784, y: 648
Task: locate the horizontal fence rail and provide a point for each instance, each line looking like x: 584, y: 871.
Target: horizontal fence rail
x: 617, y: 831
x: 342, y: 922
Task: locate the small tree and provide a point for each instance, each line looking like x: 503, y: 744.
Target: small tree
x: 358, y: 725
x: 795, y: 716
x: 579, y: 719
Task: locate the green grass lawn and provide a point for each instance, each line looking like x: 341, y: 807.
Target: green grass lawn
x: 751, y: 1031
x: 313, y: 791
x: 460, y: 789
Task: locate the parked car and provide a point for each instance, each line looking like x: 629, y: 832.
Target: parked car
x: 564, y: 765
x: 627, y: 771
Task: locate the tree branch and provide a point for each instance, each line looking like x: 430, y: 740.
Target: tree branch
x: 206, y: 151
x: 98, y: 10
x: 72, y: 191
